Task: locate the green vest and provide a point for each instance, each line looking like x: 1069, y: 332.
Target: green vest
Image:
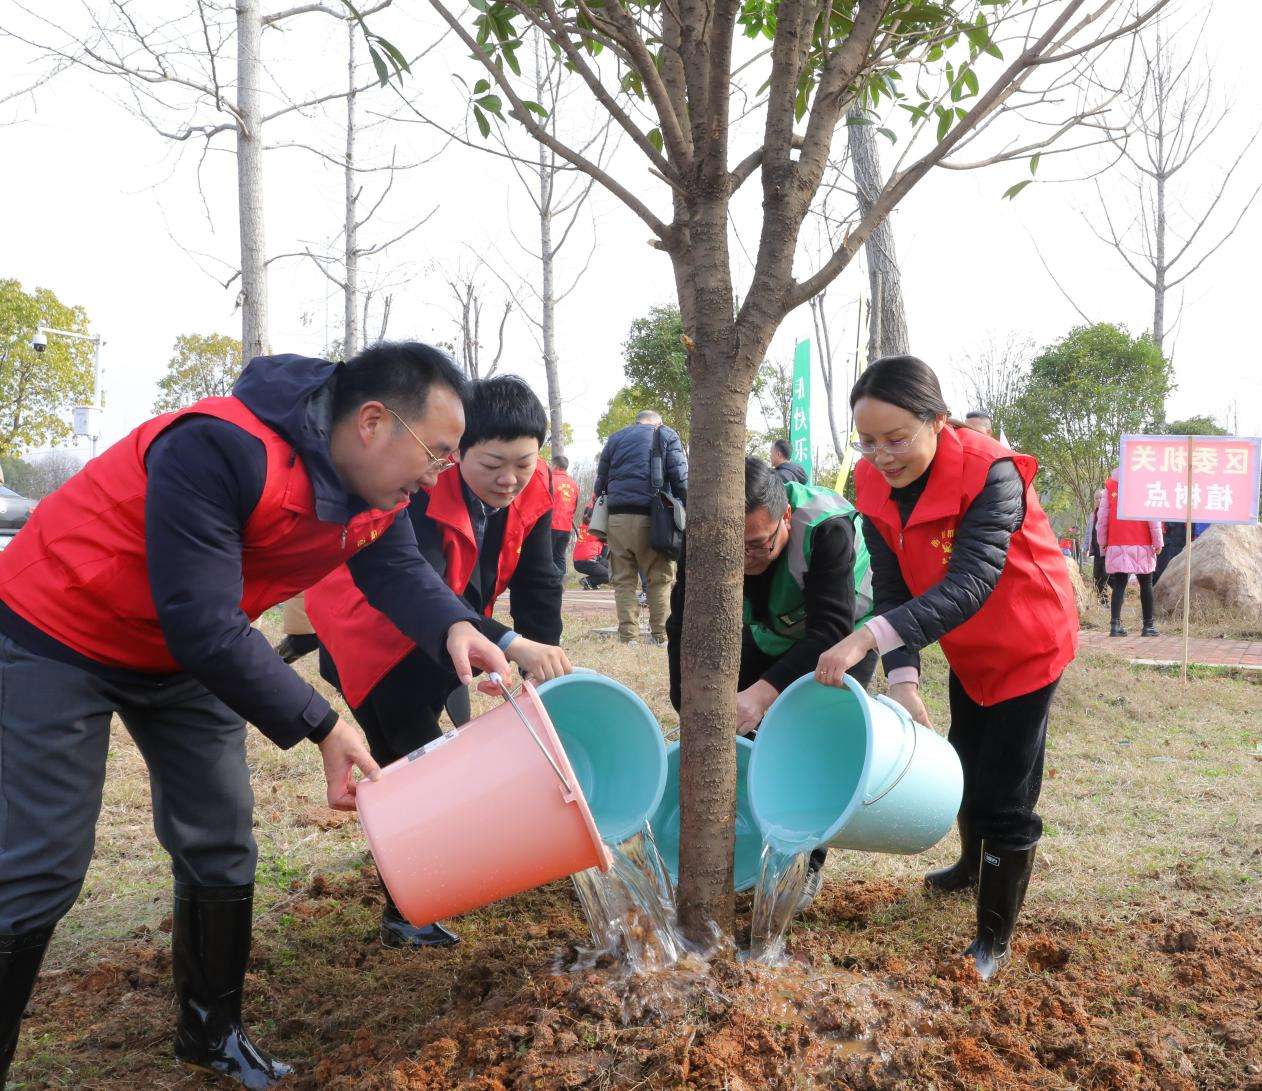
x: 786, y: 604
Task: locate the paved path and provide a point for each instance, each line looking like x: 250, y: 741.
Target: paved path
x: 1168, y: 648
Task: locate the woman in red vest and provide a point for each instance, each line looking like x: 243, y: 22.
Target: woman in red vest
x: 485, y: 526
x: 962, y: 554
x: 1130, y: 549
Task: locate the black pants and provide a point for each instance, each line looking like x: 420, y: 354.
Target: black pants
x: 1001, y: 749
x: 54, y: 740
x: 596, y: 570
x: 1099, y: 577
x: 1118, y: 582
x: 560, y: 547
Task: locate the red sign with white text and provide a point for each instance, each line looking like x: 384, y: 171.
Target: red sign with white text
x: 1153, y: 483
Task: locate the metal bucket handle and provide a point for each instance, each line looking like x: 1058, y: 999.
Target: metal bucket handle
x: 508, y: 696
x: 908, y: 724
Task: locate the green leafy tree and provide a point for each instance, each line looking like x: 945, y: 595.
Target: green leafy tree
x: 38, y: 389
x: 656, y: 366
x: 1194, y: 426
x: 567, y: 437
x: 1083, y: 393
x: 203, y: 366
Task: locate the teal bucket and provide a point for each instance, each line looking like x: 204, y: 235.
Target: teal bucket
x: 836, y: 767
x: 665, y: 820
x: 615, y: 747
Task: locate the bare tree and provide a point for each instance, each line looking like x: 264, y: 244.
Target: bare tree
x: 1161, y: 230
x: 994, y: 375
x: 669, y: 77
x: 839, y: 374
x: 175, y: 67
x: 468, y: 293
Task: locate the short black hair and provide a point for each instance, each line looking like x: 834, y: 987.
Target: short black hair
x: 502, y: 408
x: 905, y: 381
x: 560, y: 462
x: 763, y: 488
x: 977, y: 414
x: 782, y: 446
x: 399, y: 374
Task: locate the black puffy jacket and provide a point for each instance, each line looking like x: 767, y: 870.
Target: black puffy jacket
x: 623, y: 471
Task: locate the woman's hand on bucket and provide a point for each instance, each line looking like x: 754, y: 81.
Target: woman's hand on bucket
x: 752, y: 705
x: 907, y: 694
x: 343, y: 750
x: 834, y: 663
x: 539, y: 662
x: 468, y: 649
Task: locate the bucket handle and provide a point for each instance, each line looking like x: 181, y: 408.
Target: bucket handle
x: 533, y: 734
x: 907, y: 723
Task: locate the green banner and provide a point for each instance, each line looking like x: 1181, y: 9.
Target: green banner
x: 800, y: 413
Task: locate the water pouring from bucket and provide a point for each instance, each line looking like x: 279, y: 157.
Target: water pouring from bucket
x: 491, y: 809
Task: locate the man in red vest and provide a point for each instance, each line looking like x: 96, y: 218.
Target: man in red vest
x: 486, y: 526
x: 565, y: 503
x: 131, y: 591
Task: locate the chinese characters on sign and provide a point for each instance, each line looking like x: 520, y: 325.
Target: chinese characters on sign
x: 1153, y: 483
x: 800, y: 409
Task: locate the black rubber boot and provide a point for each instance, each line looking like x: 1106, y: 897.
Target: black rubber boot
x: 210, y: 947
x: 1115, y: 629
x: 397, y: 932
x: 1149, y: 629
x: 962, y: 875
x: 1001, y: 884
x: 20, y: 958
x: 294, y: 646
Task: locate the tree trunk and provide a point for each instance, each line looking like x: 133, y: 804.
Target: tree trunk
x: 712, y: 617
x: 350, y: 321
x: 1159, y: 270
x: 887, y: 334
x: 825, y: 348
x: 547, y: 296
x: 249, y: 128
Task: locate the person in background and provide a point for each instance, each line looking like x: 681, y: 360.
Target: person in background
x: 1099, y: 577
x: 591, y: 556
x: 299, y: 638
x: 624, y: 475
x: 807, y: 584
x: 132, y: 591
x: 486, y: 526
x: 786, y: 470
x: 963, y: 554
x: 565, y: 495
x: 979, y: 421
x: 1130, y: 549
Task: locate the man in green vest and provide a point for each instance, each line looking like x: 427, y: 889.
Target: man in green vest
x: 808, y: 584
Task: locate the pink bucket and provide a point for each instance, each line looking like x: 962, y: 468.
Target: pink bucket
x: 487, y: 811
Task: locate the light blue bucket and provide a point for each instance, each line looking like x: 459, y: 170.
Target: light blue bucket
x: 665, y: 820
x: 837, y: 767
x: 615, y: 747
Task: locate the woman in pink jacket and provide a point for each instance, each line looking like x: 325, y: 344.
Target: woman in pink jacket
x: 1130, y: 549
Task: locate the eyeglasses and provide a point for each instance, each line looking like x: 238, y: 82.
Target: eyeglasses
x: 763, y: 545
x: 894, y: 447
x: 435, y: 463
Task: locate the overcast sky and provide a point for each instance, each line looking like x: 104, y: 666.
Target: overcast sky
x: 107, y: 214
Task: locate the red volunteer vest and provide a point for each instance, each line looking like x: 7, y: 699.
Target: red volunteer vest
x: 79, y: 573
x: 1123, y: 532
x: 363, y: 643
x: 565, y: 501
x: 1027, y: 631
x: 587, y: 547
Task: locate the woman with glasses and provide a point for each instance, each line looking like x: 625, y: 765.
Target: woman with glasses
x: 963, y: 554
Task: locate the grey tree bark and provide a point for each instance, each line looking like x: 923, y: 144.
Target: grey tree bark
x: 350, y: 290
x: 249, y: 132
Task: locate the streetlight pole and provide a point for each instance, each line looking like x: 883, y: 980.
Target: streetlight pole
x: 95, y: 407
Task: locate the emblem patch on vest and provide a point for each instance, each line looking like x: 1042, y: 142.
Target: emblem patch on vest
x: 944, y: 543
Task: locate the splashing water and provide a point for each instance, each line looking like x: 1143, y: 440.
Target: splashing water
x: 782, y: 875
x: 630, y: 909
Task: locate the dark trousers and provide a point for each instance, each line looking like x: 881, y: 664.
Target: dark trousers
x: 560, y: 547
x: 401, y: 713
x: 54, y: 739
x: 1118, y: 582
x: 596, y: 570
x: 1099, y: 577
x: 1001, y: 750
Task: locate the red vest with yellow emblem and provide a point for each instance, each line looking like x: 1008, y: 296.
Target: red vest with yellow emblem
x: 565, y: 501
x: 78, y: 571
x: 363, y: 643
x: 1026, y: 632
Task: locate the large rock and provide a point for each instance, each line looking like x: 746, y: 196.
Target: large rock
x: 1081, y: 600
x: 1226, y: 573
